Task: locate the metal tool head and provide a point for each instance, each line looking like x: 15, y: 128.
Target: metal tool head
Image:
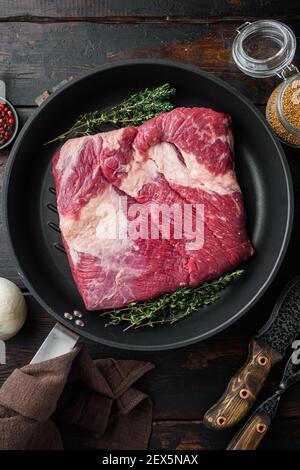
x: 284, y: 324
x: 290, y: 376
x: 291, y: 373
x: 59, y: 341
x: 270, y: 405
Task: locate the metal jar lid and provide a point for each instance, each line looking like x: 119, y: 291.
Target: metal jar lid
x: 264, y: 48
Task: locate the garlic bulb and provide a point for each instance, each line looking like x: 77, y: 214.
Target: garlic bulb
x: 13, y: 309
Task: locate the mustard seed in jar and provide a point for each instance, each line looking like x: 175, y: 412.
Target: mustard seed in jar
x: 283, y: 111
x: 291, y: 103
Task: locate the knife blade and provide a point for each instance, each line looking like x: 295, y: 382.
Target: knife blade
x: 266, y: 349
x: 255, y: 429
x: 59, y: 341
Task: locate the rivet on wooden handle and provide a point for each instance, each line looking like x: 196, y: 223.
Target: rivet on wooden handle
x: 243, y: 388
x: 250, y: 436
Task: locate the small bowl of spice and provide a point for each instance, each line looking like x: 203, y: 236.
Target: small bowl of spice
x: 283, y: 110
x: 9, y: 123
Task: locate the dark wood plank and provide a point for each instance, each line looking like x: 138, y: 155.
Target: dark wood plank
x: 186, y: 435
x: 144, y: 10
x: 46, y: 54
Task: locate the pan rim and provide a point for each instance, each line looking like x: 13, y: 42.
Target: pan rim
x: 196, y: 338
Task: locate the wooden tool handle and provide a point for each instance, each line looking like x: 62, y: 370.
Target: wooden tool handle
x: 40, y: 99
x: 243, y: 388
x: 250, y: 436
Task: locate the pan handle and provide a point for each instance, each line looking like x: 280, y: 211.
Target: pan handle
x: 59, y: 341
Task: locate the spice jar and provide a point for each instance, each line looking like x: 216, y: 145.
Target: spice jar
x: 266, y: 48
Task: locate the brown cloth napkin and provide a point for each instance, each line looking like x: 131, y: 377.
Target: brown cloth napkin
x: 74, y: 402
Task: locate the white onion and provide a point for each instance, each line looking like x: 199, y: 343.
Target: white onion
x: 13, y: 309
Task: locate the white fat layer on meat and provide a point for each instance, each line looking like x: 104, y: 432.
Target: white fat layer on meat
x: 68, y: 159
x: 92, y: 233
x: 164, y: 159
x: 70, y: 151
x: 199, y: 174
x: 112, y: 139
x: 74, y: 255
x: 69, y: 154
x: 138, y: 173
x: 121, y: 280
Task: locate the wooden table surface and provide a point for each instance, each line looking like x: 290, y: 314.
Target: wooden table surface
x: 42, y: 43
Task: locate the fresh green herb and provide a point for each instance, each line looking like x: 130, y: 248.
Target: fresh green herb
x: 170, y: 308
x: 134, y: 111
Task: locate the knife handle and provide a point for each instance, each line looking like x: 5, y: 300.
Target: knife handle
x: 243, y: 388
x: 252, y: 433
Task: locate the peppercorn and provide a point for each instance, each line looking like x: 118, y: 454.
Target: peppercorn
x: 7, y: 123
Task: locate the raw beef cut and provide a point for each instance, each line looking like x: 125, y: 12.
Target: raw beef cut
x: 179, y: 160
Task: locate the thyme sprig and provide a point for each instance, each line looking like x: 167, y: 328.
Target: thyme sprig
x: 170, y: 307
x: 135, y: 110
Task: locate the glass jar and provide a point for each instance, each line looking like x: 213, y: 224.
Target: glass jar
x: 266, y: 48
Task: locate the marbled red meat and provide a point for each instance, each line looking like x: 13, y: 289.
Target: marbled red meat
x: 179, y: 159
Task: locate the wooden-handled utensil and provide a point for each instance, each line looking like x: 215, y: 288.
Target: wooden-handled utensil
x: 252, y: 433
x: 266, y: 349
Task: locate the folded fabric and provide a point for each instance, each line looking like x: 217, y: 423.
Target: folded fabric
x: 73, y: 402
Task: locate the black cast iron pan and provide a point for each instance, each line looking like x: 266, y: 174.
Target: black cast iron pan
x: 29, y: 202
